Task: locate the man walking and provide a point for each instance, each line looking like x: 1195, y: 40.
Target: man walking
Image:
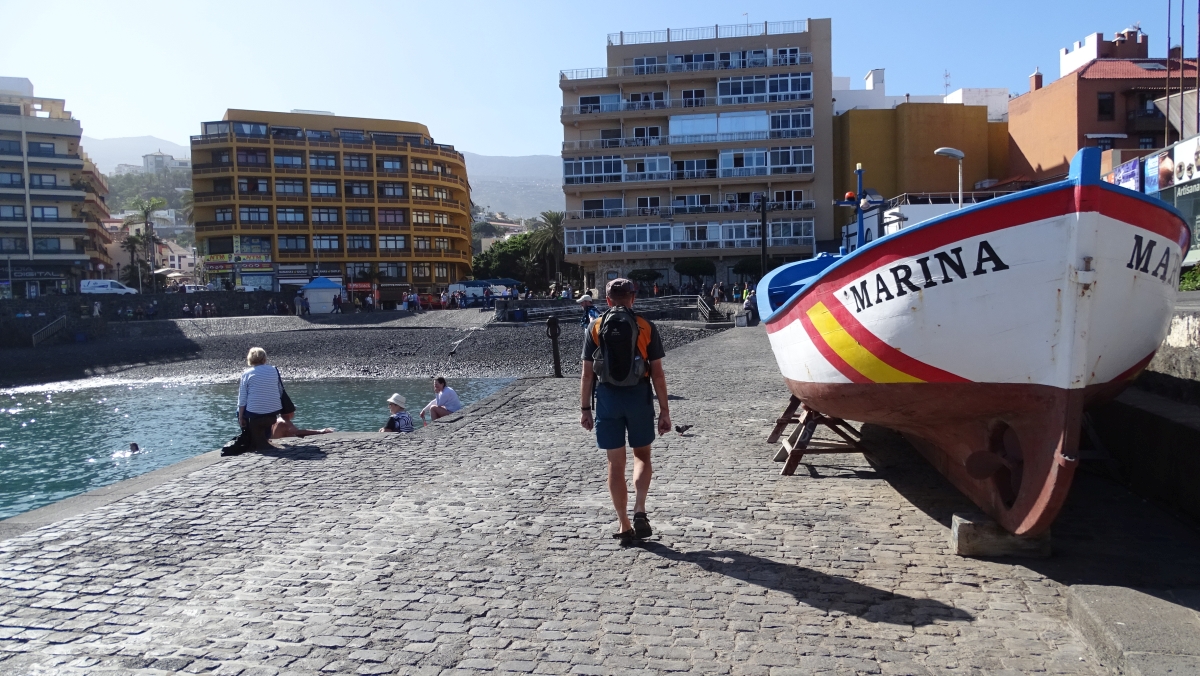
x: 624, y: 352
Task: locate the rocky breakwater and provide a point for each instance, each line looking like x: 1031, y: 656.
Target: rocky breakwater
x: 1175, y: 369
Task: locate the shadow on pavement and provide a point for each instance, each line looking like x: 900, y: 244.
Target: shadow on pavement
x: 1105, y: 534
x: 290, y: 452
x: 827, y: 592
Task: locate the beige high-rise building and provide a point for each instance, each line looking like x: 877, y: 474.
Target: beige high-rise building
x: 669, y: 149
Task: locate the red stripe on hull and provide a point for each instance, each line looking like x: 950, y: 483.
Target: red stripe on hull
x: 886, y: 353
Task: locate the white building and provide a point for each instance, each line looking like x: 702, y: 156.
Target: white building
x: 159, y: 162
x: 875, y: 97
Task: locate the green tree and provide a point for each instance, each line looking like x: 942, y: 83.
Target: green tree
x: 508, y: 258
x: 549, y: 239
x: 750, y: 266
x: 696, y: 268
x: 1190, y: 280
x: 168, y: 186
x: 645, y: 276
x: 187, y: 206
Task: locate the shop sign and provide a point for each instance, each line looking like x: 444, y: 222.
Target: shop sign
x: 1126, y: 174
x: 1165, y: 174
x: 218, y: 258
x: 327, y: 270
x: 25, y: 272
x: 359, y: 286
x: 293, y: 269
x: 257, y: 266
x: 395, y: 285
x: 1186, y: 157
x: 218, y: 267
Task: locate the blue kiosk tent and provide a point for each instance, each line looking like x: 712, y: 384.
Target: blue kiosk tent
x: 320, y: 293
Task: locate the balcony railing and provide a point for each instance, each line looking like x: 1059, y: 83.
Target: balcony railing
x: 675, y: 211
x: 743, y: 243
x: 56, y: 220
x: 625, y: 106
x: 709, y: 32
x: 398, y: 145
x: 665, y: 67
x: 685, y: 139
x: 53, y: 156
x: 643, y: 176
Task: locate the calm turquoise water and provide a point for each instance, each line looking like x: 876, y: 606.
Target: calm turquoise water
x: 56, y: 443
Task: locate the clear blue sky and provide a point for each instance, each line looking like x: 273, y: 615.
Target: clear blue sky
x: 483, y: 75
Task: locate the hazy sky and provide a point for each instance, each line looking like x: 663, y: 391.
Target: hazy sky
x: 483, y: 76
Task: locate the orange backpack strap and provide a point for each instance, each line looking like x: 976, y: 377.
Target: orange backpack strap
x: 595, y: 329
x: 643, y: 342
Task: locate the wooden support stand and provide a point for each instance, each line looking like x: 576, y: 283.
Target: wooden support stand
x: 797, y: 445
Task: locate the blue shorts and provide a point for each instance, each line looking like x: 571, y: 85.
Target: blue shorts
x: 621, y: 409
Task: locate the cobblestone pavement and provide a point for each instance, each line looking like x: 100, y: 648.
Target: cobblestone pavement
x: 483, y: 546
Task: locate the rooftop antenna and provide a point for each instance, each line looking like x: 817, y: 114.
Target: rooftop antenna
x: 946, y: 81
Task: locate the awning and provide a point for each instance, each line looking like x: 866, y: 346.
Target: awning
x: 165, y: 271
x: 321, y: 283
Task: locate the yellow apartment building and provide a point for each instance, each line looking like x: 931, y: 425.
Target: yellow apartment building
x: 669, y: 149
x: 51, y: 200
x: 281, y: 198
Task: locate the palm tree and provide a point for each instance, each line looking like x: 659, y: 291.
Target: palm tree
x: 548, y: 239
x: 187, y: 206
x: 132, y: 244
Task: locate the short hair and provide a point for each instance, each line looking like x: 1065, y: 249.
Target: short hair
x: 440, y: 379
x: 620, y: 288
x: 256, y: 356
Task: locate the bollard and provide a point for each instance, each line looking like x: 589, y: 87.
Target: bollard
x: 552, y: 333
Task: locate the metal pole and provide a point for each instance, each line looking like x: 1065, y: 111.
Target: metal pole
x: 1182, y: 47
x: 1167, y: 80
x: 762, y: 231
x: 552, y: 331
x: 960, y: 184
x: 858, y: 207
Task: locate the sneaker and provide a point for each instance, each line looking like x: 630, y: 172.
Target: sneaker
x: 641, y: 525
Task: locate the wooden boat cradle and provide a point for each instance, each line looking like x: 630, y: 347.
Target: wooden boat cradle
x: 798, y: 443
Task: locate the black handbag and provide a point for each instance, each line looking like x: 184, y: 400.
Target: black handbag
x: 284, y: 399
x: 239, y: 444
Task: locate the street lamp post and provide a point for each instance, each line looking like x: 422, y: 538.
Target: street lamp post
x: 954, y: 154
x: 762, y: 231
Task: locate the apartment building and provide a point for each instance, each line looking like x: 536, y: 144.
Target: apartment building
x: 669, y: 149
x: 281, y: 198
x: 161, y: 163
x: 51, y: 200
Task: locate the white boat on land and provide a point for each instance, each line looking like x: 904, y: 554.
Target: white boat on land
x: 983, y: 334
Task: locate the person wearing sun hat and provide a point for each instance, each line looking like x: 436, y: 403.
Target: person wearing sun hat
x: 399, y: 420
x: 589, y: 309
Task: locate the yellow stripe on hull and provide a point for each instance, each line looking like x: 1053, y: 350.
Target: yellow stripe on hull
x: 851, y: 351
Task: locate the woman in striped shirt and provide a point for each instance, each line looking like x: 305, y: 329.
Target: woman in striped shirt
x: 260, y: 398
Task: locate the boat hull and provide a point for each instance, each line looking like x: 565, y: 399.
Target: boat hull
x: 982, y: 335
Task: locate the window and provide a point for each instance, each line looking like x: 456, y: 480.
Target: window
x: 421, y: 271
x: 11, y: 180
x: 45, y: 213
x: 287, y: 132
x: 420, y: 217
x: 441, y: 193
x: 441, y: 271
x: 695, y: 168
x: 686, y: 62
x: 360, y: 271
x: 393, y: 270
x: 419, y: 190
x: 441, y: 243
x: 761, y: 89
x: 421, y: 243
x: 748, y: 162
x: 389, y: 163
x: 693, y: 98
x: 326, y: 215
x: 36, y: 148
x: 322, y: 161
x: 255, y: 245
x: 596, y: 104
x: 12, y: 213
x: 647, y: 136
x: 254, y: 186
x: 420, y: 165
x: 647, y: 206
x: 743, y: 59
x: 792, y: 232
x: 324, y: 188
x: 224, y: 214
x: 358, y: 216
x: 47, y: 245
x: 41, y: 180
x: 1146, y: 142
x: 1105, y: 106
x: 391, y: 215
x: 794, y: 160
x: 252, y: 157
x: 356, y: 162
x: 358, y: 189
x: 351, y: 135
x: 249, y: 128
x: 289, y: 160
x: 293, y: 243
x: 789, y: 199
x: 12, y: 244
x: 220, y: 156
x: 289, y: 187
x: 646, y: 101
x: 695, y: 203
x: 318, y: 135
x: 327, y: 242
x: 216, y: 127
x: 440, y: 218
x: 792, y: 123
x: 607, y: 169
x: 788, y: 56
x: 391, y: 190
x: 1104, y: 143
x: 289, y: 214
x: 254, y: 215
x: 359, y: 243
x: 10, y: 147
x: 392, y: 242
x: 220, y: 245
x: 789, y: 87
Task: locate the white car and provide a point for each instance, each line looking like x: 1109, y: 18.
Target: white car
x: 193, y: 288
x: 104, y: 286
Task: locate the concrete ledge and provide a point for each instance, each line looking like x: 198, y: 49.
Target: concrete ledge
x: 1139, y: 632
x: 979, y: 535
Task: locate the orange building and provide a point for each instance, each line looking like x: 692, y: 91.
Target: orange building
x: 1103, y: 98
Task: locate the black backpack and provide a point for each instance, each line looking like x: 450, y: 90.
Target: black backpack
x: 621, y: 339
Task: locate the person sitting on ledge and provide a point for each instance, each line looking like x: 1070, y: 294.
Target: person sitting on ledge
x: 284, y: 427
x: 445, y: 401
x: 399, y: 420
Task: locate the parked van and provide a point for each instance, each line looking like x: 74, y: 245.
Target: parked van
x: 104, y: 286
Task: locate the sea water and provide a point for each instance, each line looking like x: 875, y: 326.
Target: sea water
x: 64, y: 439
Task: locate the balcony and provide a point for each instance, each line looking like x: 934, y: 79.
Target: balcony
x: 773, y: 61
x: 1141, y: 121
x: 213, y: 196
x: 672, y: 104
x: 212, y: 168
x: 246, y: 196
x: 634, y: 177
x: 675, y: 211
x: 686, y: 139
x: 398, y: 146
x: 35, y: 219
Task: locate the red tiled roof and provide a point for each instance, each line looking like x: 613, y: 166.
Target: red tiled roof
x: 1128, y: 69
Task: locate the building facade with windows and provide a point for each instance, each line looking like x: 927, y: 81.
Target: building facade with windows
x: 52, y: 201
x: 161, y: 163
x: 669, y: 149
x: 1104, y: 98
x: 281, y: 198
